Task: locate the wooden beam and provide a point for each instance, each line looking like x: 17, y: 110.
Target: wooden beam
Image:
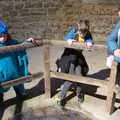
x: 21, y: 80
x: 18, y: 47
x: 47, y: 70
x: 76, y: 45
x: 22, y: 46
x: 79, y: 79
x: 117, y: 89
x: 110, y: 89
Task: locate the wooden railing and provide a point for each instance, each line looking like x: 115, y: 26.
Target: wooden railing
x: 48, y: 74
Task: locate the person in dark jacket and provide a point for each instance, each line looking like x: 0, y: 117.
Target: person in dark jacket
x: 72, y: 60
x: 12, y: 64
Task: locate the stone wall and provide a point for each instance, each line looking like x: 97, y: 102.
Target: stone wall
x: 53, y: 18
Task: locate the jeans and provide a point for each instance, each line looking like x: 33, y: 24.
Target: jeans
x: 67, y: 84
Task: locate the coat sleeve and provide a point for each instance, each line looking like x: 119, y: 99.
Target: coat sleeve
x: 112, y: 39
x: 88, y: 38
x: 70, y: 35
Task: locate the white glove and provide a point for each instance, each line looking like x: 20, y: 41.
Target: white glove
x: 109, y: 61
x: 30, y: 39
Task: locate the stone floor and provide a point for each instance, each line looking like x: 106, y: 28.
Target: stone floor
x: 51, y: 113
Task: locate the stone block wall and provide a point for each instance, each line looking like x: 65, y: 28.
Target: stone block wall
x: 52, y: 19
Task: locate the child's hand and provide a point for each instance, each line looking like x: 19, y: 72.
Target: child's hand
x: 88, y: 45
x: 117, y: 52
x: 70, y: 41
x: 32, y: 41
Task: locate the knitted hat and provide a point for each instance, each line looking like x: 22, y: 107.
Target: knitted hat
x: 3, y: 28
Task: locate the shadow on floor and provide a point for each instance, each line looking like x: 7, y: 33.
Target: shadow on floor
x: 102, y: 74
x: 35, y: 91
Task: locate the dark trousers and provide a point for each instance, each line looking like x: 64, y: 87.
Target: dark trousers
x: 75, y: 57
x: 66, y: 86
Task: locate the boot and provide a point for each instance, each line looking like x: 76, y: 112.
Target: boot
x: 60, y: 103
x: 81, y: 98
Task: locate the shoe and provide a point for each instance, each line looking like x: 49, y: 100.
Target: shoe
x: 81, y: 98
x: 61, y: 103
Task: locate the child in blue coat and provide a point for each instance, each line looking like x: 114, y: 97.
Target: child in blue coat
x: 113, y: 44
x: 12, y: 64
x: 72, y: 60
x: 80, y: 33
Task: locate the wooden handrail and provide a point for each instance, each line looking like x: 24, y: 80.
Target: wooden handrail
x: 110, y: 89
x: 79, y: 79
x: 22, y: 46
x: 117, y: 90
x: 76, y: 45
x: 21, y: 80
x: 18, y: 47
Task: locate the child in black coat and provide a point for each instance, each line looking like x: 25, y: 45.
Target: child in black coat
x: 72, y: 60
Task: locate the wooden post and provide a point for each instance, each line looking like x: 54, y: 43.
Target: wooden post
x: 47, y: 70
x: 110, y: 89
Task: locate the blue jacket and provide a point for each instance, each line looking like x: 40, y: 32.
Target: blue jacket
x: 72, y: 35
x: 113, y: 41
x: 12, y: 64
